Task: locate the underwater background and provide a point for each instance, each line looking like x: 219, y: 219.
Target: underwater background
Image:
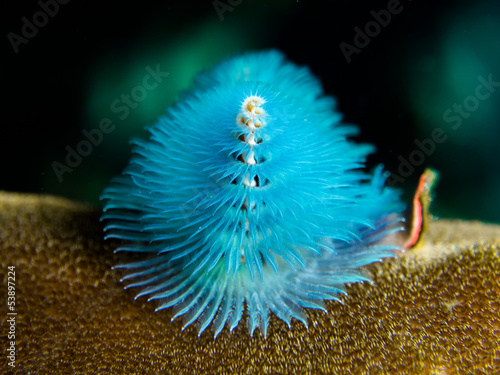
x: 420, y: 79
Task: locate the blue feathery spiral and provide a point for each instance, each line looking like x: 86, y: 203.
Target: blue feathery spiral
x: 248, y: 192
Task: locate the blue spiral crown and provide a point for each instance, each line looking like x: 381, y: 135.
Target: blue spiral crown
x: 249, y: 193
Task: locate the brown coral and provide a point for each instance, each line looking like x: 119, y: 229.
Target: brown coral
x: 434, y: 310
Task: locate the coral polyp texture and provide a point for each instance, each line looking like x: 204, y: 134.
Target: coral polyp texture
x: 248, y: 194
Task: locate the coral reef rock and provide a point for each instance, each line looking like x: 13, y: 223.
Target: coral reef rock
x: 433, y: 310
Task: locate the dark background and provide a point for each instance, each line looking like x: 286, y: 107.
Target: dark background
x: 396, y: 89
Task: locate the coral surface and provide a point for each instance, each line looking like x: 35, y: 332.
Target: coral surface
x: 435, y: 309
